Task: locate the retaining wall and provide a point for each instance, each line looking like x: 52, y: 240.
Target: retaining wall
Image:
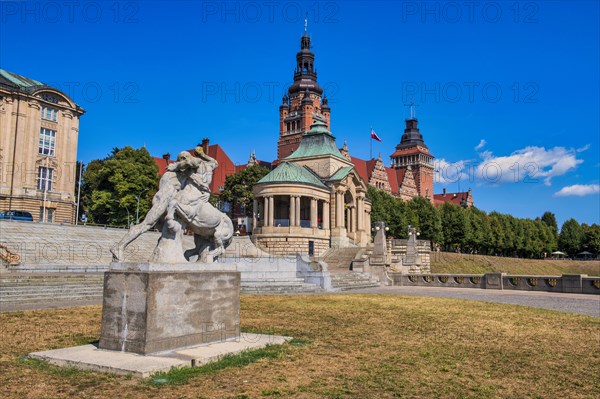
x: 568, y: 283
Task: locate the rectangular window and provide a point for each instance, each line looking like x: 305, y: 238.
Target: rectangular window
x: 49, y: 215
x: 45, y: 178
x: 49, y: 114
x: 47, y: 141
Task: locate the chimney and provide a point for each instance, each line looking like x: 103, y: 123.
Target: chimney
x: 167, y: 157
x: 444, y: 192
x: 205, y: 145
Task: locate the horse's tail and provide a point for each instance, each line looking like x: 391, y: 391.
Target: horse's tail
x: 229, y: 230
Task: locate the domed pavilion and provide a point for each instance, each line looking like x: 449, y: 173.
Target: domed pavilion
x: 313, y: 200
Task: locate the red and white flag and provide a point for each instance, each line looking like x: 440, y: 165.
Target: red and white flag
x: 374, y: 136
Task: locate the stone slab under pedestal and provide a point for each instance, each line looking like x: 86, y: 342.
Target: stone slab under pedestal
x: 150, y: 308
x: 89, y: 357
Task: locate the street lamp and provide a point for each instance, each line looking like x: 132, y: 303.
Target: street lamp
x: 137, y: 211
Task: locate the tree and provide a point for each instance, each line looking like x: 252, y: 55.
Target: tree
x: 111, y: 186
x: 238, y: 188
x: 549, y: 220
x: 591, y: 240
x: 454, y: 225
x: 571, y: 237
x: 429, y: 223
x: 388, y: 209
x: 478, y: 233
x: 546, y: 237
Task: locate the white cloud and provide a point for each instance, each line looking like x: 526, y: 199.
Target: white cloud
x: 578, y: 190
x: 527, y: 165
x: 480, y: 145
x: 584, y: 148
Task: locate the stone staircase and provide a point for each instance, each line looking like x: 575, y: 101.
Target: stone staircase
x: 47, y: 248
x: 243, y: 247
x: 339, y: 261
x: 340, y: 258
x: 353, y: 281
x: 29, y: 288
x: 65, y: 263
x: 34, y: 288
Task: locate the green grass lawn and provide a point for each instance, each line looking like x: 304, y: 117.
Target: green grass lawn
x: 346, y: 346
x: 447, y: 262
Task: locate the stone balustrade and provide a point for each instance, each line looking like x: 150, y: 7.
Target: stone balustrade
x: 567, y: 283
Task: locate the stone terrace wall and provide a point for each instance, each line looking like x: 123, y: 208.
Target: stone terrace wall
x: 281, y: 246
x: 567, y: 283
x: 53, y: 246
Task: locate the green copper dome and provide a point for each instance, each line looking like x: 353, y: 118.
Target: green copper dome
x: 287, y: 172
x: 318, y: 141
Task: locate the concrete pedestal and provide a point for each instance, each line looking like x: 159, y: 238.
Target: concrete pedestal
x: 339, y: 238
x: 151, y: 308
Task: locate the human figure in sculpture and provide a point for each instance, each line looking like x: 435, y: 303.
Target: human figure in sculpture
x: 212, y: 229
x: 189, y: 200
x: 183, y: 191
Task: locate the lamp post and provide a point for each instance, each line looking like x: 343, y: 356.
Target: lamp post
x: 137, y: 211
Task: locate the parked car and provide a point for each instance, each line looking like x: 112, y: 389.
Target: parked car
x: 16, y: 215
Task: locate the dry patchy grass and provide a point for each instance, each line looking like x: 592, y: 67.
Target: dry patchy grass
x: 447, y: 262
x: 359, y: 346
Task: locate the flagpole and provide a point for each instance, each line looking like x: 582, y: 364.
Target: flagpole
x: 371, y: 144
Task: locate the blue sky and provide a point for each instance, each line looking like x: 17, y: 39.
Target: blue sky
x: 507, y: 92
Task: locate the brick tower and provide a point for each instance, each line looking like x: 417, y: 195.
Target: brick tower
x: 303, y: 103
x: 412, y: 156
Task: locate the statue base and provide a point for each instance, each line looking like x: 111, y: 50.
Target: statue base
x: 149, y: 308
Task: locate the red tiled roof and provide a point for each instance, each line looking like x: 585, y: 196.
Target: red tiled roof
x: 226, y: 167
x: 360, y: 165
x: 162, y: 165
x: 364, y: 168
x: 410, y: 151
x: 370, y: 167
x: 453, y: 198
x: 395, y: 177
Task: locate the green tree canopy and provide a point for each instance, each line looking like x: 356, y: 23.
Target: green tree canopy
x: 428, y: 223
x: 591, y: 240
x: 454, y: 225
x: 474, y: 231
x: 571, y: 237
x: 238, y: 188
x: 111, y: 186
x: 549, y: 220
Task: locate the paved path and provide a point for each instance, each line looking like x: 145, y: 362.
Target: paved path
x: 572, y: 303
x: 13, y: 307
